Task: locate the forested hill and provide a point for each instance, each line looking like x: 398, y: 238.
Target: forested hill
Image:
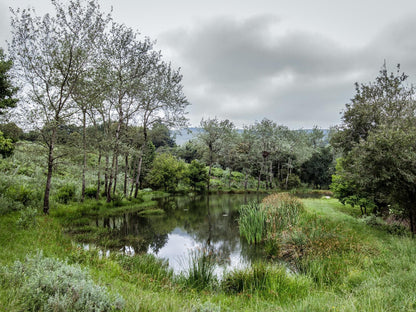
x: 184, y: 135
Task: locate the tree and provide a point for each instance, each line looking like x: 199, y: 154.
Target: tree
x: 6, y: 146
x: 166, y: 173
x: 197, y: 175
x: 213, y: 132
x: 7, y: 90
x: 318, y: 169
x: 11, y: 131
x: 383, y: 101
x: 50, y: 54
x: 378, y: 139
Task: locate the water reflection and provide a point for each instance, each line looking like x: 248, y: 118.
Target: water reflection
x: 204, y: 222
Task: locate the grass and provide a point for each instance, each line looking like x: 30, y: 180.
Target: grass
x: 342, y: 264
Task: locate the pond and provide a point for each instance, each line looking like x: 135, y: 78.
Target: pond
x: 189, y: 224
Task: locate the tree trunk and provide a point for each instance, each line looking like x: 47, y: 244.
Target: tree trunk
x: 49, y: 174
x: 115, y: 175
x: 97, y: 195
x: 139, y: 169
x: 210, y: 169
x: 111, y: 178
x: 107, y: 163
x: 245, y: 181
x: 84, y: 147
x: 126, y: 170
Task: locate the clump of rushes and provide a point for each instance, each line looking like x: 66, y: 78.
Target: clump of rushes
x: 276, y: 213
x: 282, y: 211
x: 200, y: 274
x: 252, y: 222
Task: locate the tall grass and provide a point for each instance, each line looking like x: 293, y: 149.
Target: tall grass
x: 282, y: 211
x: 252, y: 222
x: 276, y: 213
x: 200, y: 274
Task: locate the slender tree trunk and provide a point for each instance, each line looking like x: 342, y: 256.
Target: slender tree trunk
x: 115, y: 174
x: 111, y: 178
x: 107, y: 164
x: 245, y: 181
x: 49, y: 174
x: 139, y: 169
x: 97, y: 195
x: 126, y: 170
x: 84, y: 147
x: 210, y: 170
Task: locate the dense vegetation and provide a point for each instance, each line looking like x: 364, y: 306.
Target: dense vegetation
x: 100, y: 105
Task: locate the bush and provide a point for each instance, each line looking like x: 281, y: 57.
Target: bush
x: 27, y: 218
x: 8, y: 205
x: 292, y: 182
x: 47, y: 284
x: 20, y: 193
x: 66, y: 193
x: 91, y: 192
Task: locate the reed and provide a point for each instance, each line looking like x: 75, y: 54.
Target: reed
x: 252, y: 222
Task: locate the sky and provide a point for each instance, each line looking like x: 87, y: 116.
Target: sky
x: 294, y: 62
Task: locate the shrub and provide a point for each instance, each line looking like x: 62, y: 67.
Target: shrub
x: 91, y: 192
x: 47, y: 284
x: 27, y: 217
x: 20, y: 193
x: 66, y: 193
x: 8, y: 205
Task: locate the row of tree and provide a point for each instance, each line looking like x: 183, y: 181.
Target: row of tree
x: 81, y: 67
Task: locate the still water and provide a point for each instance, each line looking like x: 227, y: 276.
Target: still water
x: 188, y: 224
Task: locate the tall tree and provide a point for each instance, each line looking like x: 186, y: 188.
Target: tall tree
x: 378, y: 139
x: 50, y: 53
x: 213, y: 131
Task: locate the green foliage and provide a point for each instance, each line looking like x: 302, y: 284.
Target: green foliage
x: 7, y: 90
x: 47, y: 284
x: 21, y: 193
x: 292, y: 182
x: 66, y: 193
x: 197, y: 175
x: 166, y: 173
x: 317, y: 171
x: 91, y: 192
x: 27, y: 218
x: 6, y: 146
x: 11, y: 131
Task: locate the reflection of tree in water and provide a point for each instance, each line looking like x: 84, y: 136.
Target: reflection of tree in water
x: 209, y: 220
x: 138, y: 233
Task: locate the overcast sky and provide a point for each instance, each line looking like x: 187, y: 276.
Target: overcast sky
x: 294, y: 62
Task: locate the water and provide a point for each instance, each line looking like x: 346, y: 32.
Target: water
x: 189, y: 224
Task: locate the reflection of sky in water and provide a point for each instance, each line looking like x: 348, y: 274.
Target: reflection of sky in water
x: 180, y: 244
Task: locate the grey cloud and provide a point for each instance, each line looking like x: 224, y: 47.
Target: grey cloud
x: 243, y: 71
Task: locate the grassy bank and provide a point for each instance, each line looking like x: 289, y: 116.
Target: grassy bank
x: 341, y: 264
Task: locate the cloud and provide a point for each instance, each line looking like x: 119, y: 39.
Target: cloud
x: 245, y: 70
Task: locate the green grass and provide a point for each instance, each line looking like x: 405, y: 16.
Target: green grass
x: 343, y: 265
